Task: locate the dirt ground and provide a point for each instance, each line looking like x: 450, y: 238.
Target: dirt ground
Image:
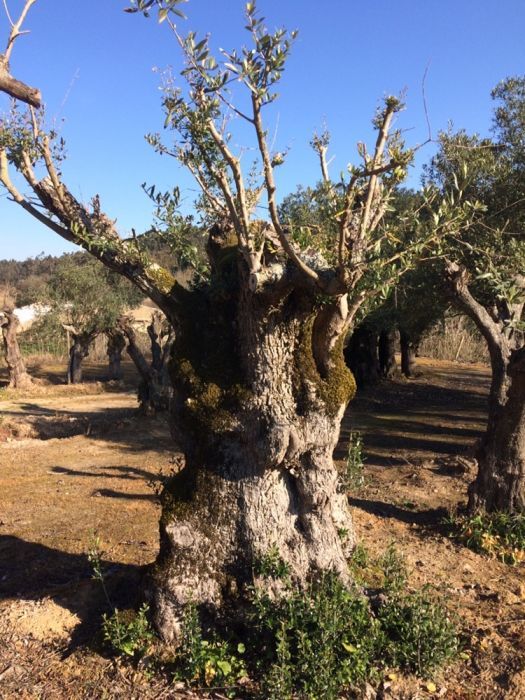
x: 77, y: 463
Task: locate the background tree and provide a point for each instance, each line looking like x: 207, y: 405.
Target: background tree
x: 484, y: 274
x: 260, y: 384
x: 155, y: 390
x: 116, y: 343
x: 19, y: 377
x: 86, y: 300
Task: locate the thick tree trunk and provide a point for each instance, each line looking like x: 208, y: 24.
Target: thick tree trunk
x: 116, y: 344
x: 18, y: 375
x: 257, y: 413
x: 500, y: 483
x: 387, y: 353
x: 361, y: 355
x: 408, y: 353
x: 78, y: 351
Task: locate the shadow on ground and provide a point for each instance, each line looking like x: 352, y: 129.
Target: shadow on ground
x: 440, y: 413
x: 32, y: 571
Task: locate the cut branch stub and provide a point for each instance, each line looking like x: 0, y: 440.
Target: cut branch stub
x: 17, y: 89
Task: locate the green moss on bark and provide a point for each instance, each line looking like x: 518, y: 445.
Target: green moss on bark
x: 334, y: 391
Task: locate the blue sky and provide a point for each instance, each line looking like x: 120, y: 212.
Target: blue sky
x: 94, y: 64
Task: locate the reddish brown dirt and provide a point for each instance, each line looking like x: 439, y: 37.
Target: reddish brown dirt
x: 56, y: 493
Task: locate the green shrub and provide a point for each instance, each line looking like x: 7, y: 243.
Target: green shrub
x: 211, y: 662
x: 271, y: 565
x: 498, y: 534
x: 315, y: 642
x: 312, y: 644
x: 128, y: 633
x: 418, y: 633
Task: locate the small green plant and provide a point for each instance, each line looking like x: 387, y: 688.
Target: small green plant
x: 498, y: 534
x: 419, y: 635
x: 315, y: 643
x: 271, y: 565
x: 394, y: 570
x: 128, y: 633
x: 95, y: 559
x: 207, y: 662
x: 353, y: 477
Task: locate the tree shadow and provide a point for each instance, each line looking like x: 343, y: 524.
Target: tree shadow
x: 33, y: 571
x: 429, y: 518
x: 111, y: 493
x: 127, y: 473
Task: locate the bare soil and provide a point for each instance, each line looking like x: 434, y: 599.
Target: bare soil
x: 76, y: 463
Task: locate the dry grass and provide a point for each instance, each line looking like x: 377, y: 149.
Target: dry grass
x: 455, y: 338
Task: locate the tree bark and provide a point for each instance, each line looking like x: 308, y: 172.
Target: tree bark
x: 500, y: 483
x: 257, y: 414
x: 116, y: 344
x: 16, y: 89
x: 387, y: 353
x: 408, y: 353
x: 78, y: 351
x: 361, y: 355
x: 155, y: 390
x: 18, y: 375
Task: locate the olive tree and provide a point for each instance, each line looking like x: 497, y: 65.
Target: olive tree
x: 19, y: 378
x: 86, y: 299
x: 260, y: 384
x: 484, y: 272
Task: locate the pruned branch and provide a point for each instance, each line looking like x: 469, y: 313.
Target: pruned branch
x: 8, y: 84
x: 270, y: 192
x: 92, y: 230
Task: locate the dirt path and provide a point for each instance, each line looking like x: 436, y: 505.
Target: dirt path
x: 55, y: 493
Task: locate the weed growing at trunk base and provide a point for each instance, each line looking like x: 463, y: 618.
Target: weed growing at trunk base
x: 316, y: 643
x: 498, y: 534
x: 353, y: 478
x: 326, y: 640
x: 127, y: 633
x: 213, y: 662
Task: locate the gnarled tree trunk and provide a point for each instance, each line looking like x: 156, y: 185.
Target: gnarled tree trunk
x: 257, y: 413
x: 116, y: 344
x: 408, y: 353
x: 361, y: 355
x: 18, y: 375
x: 155, y: 389
x: 387, y: 353
x: 500, y: 482
x: 78, y: 351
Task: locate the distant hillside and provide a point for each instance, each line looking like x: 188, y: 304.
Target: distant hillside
x: 26, y: 279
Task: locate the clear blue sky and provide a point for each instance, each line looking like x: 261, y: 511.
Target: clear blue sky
x: 94, y: 65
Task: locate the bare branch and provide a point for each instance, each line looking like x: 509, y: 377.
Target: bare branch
x: 376, y: 160
x: 13, y: 87
x: 8, y: 15
x: 270, y: 191
x: 235, y: 167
